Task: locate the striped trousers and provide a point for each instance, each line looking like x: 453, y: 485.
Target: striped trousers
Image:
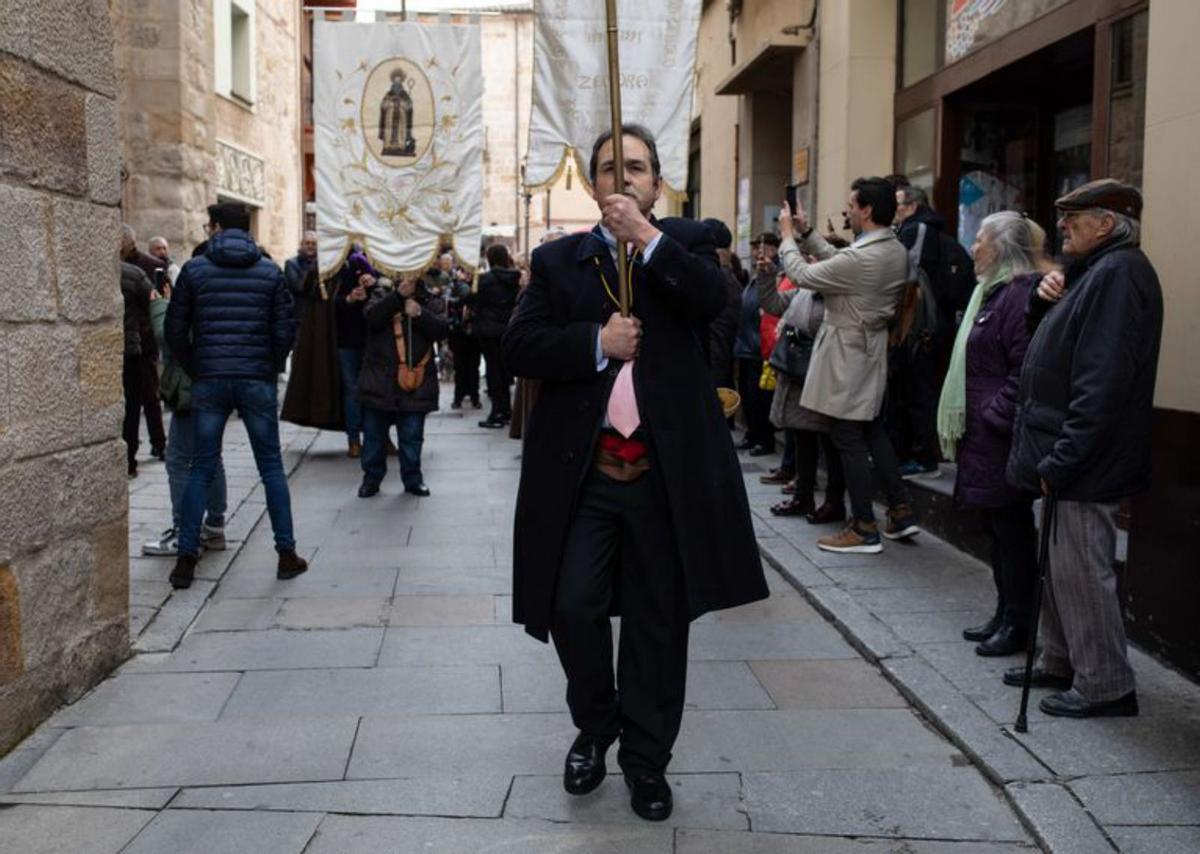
x: 1081, y: 627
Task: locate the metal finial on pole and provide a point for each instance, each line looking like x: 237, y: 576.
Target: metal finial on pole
x: 618, y: 143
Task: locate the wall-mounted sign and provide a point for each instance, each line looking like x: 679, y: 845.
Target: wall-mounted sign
x: 240, y: 175
x: 800, y: 166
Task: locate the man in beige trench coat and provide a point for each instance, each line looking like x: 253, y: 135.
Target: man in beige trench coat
x: 862, y: 285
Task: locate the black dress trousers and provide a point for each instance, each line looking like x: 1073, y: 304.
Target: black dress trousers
x: 620, y: 547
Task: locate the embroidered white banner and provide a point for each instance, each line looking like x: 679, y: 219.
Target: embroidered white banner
x: 397, y: 121
x: 570, y: 82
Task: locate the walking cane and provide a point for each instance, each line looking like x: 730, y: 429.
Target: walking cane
x: 1048, y: 510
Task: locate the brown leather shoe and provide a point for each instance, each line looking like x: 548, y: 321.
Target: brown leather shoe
x: 354, y: 451
x: 856, y: 538
x: 779, y: 475
x: 290, y: 565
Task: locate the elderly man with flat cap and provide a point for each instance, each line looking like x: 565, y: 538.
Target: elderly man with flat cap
x: 1082, y: 435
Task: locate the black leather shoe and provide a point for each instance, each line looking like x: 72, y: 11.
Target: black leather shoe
x: 1015, y: 676
x: 1072, y: 704
x: 584, y: 769
x: 651, y: 798
x: 827, y: 513
x: 492, y: 422
x: 761, y: 451
x: 420, y: 490
x: 1007, y: 640
x: 368, y: 489
x: 985, y: 631
x: 185, y: 569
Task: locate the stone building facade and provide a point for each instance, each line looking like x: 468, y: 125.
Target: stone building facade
x: 209, y: 94
x: 64, y: 568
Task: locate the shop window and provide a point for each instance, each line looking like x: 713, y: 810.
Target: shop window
x: 233, y: 42
x: 922, y: 38
x: 1127, y: 101
x: 915, y: 146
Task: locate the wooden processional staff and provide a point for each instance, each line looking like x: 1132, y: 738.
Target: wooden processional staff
x: 618, y: 143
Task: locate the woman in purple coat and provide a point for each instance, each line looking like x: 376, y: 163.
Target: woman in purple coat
x: 976, y: 412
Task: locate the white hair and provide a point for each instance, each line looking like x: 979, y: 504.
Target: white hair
x: 160, y: 239
x: 1019, y: 242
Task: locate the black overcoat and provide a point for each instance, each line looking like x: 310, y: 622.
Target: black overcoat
x: 552, y: 337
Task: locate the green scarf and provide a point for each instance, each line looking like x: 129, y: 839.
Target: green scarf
x: 952, y: 407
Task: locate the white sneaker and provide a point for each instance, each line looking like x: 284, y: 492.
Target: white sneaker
x: 166, y: 545
x: 212, y: 539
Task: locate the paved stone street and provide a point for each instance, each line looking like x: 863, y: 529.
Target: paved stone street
x: 384, y: 702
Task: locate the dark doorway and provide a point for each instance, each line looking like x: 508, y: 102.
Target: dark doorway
x: 1024, y: 135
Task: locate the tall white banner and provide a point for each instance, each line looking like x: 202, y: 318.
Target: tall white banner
x: 570, y: 81
x: 397, y: 116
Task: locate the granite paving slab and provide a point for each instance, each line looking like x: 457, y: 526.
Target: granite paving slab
x: 151, y: 698
x: 330, y: 578
x: 215, y: 832
x: 1113, y: 745
x: 701, y: 800
x: 930, y: 803
x: 193, y: 754
x: 689, y: 841
x: 438, y: 645
x: 850, y: 684
x: 1156, y: 840
x: 710, y: 685
x: 140, y: 799
x: 765, y: 641
x: 1060, y: 824
x: 476, y: 795
x: 263, y: 695
x: 416, y: 610
x: 31, y: 829
x: 271, y: 650
x: 371, y: 835
x: 236, y: 615
x: 342, y: 613
x: 1166, y: 797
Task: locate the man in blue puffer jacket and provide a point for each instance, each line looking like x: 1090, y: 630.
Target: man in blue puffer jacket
x: 231, y: 325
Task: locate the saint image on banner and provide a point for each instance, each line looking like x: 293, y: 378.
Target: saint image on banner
x: 395, y: 119
x: 397, y: 112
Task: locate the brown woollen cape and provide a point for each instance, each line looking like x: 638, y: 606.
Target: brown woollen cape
x: 314, y: 389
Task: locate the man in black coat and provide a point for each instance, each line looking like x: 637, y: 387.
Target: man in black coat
x: 491, y: 306
x: 629, y: 479
x: 1082, y: 435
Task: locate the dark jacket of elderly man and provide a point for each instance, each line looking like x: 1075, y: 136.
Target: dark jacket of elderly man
x: 1082, y: 435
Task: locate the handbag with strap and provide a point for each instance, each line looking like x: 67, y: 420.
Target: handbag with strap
x: 792, y: 353
x: 408, y: 377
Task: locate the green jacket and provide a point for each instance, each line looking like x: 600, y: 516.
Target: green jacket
x: 174, y: 386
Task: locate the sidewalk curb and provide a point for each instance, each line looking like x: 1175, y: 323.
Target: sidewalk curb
x: 1057, y: 820
x: 182, y: 607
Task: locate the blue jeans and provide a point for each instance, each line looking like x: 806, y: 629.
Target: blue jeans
x: 410, y: 436
x: 256, y: 401
x: 181, y: 459
x: 350, y: 361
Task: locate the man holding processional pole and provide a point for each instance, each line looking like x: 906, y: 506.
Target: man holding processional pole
x: 631, y: 499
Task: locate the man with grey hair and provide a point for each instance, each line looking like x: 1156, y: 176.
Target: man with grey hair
x: 161, y: 249
x: 1082, y: 438
x: 297, y: 270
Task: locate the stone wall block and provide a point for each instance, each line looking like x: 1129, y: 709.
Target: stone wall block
x: 43, y: 138
x: 90, y: 487
x: 55, y: 585
x: 103, y: 149
x: 26, y: 256
x: 27, y: 507
x: 86, y: 239
x: 43, y: 385
x: 104, y: 424
x: 71, y: 37
x: 12, y: 658
x: 110, y: 570
x: 101, y: 354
